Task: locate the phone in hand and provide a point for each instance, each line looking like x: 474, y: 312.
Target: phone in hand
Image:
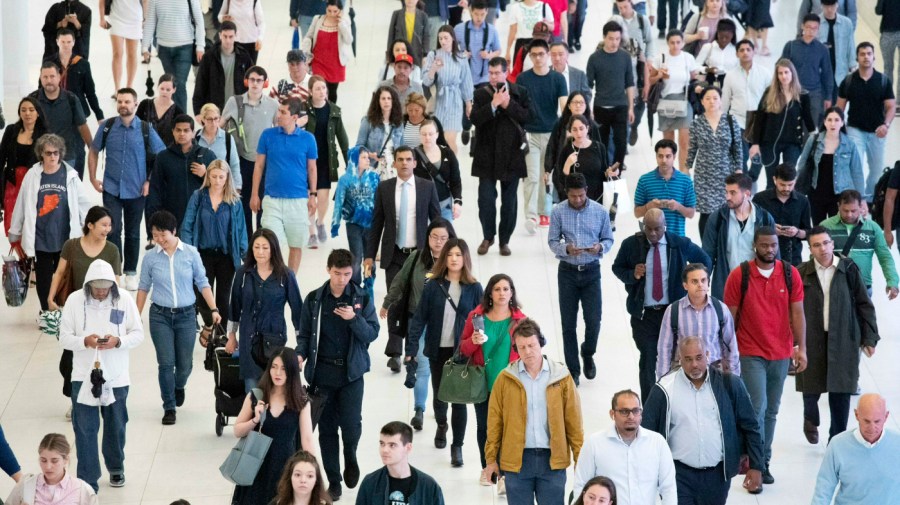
x: 103, y: 340
x: 478, y: 323
x: 341, y: 305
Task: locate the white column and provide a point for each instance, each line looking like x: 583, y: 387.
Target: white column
x: 14, y: 37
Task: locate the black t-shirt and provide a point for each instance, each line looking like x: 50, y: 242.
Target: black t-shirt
x: 866, y: 99
x: 894, y: 183
x: 830, y: 42
x: 400, y: 490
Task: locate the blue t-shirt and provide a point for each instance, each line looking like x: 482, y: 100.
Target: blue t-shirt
x: 286, y: 156
x: 679, y: 187
x: 545, y: 91
x: 52, y: 226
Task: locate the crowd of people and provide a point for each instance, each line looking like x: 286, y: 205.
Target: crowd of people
x: 217, y: 194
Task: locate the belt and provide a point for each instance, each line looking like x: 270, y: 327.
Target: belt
x: 171, y: 310
x: 656, y: 307
x: 578, y: 268
x: 335, y: 362
x: 704, y: 469
x: 406, y: 250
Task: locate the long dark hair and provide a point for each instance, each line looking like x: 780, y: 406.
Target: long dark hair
x: 425, y: 256
x: 40, y: 127
x: 440, y: 265
x: 454, y: 44
x: 566, y: 114
x: 599, y: 481
x: 487, y: 302
x: 278, y: 267
x: 389, y: 54
x: 285, y: 489
x: 374, y: 116
x: 294, y: 393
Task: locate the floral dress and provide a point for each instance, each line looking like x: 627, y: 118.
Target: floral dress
x: 713, y: 155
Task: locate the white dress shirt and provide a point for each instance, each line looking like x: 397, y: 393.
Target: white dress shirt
x: 826, y: 274
x: 742, y: 90
x: 695, y: 432
x: 641, y: 471
x: 410, y: 239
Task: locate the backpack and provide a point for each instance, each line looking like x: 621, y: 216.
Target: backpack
x: 149, y: 155
x: 745, y: 283
x: 880, y: 195
x: 673, y: 323
x: 484, y: 40
x: 236, y: 126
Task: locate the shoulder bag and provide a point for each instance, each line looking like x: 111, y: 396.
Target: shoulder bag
x: 462, y: 381
x: 243, y: 462
x: 669, y: 108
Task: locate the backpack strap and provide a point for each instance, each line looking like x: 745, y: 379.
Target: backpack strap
x: 107, y: 126
x: 673, y: 323
x: 852, y: 238
x: 745, y: 283
x: 717, y: 306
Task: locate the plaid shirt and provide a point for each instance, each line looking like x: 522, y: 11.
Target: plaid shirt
x: 701, y: 323
x: 582, y: 228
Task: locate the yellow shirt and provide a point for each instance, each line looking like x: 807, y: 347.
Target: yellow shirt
x: 410, y: 25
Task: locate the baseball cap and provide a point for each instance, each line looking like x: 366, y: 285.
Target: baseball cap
x: 296, y: 55
x: 405, y: 58
x: 101, y: 283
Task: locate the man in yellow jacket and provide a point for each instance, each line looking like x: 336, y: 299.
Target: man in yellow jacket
x: 535, y: 415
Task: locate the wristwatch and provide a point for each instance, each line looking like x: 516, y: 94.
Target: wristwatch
x: 214, y: 310
x: 313, y: 193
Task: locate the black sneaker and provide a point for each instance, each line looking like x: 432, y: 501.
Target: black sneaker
x: 179, y: 397
x: 465, y: 137
x: 590, y: 369
x: 416, y: 421
x: 168, y: 418
x: 633, y: 136
x: 334, y: 491
x: 767, y: 477
x: 394, y: 364
x: 351, y: 472
x: 117, y: 480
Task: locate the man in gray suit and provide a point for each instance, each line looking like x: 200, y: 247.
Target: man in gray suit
x: 404, y: 206
x: 576, y: 79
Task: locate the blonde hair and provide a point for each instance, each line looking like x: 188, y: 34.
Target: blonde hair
x: 56, y: 443
x: 229, y: 194
x: 775, y: 101
x: 723, y: 12
x: 207, y: 108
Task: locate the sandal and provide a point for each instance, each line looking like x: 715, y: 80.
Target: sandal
x: 204, y: 335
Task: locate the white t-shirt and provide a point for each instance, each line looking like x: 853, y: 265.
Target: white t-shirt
x: 525, y: 17
x: 680, y: 68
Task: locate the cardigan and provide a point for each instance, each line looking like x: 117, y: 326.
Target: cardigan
x: 429, y: 315
x: 345, y: 40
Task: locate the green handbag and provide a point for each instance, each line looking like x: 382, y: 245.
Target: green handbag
x: 463, y: 382
x: 243, y: 462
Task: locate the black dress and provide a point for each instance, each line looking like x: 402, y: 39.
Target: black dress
x: 163, y: 125
x: 592, y: 162
x: 758, y: 16
x: 285, y: 433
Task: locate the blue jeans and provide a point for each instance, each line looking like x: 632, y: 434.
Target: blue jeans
x: 356, y: 241
x: 871, y: 149
x: 765, y: 382
x: 133, y: 211
x: 86, y: 424
x: 423, y: 376
x: 536, y: 481
x: 173, y: 337
x: 575, y: 287
x: 177, y: 61
x: 305, y: 22
x: 771, y: 153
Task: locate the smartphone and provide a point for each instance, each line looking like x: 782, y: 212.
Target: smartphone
x: 341, y: 305
x: 102, y: 340
x: 478, y: 323
x: 502, y: 87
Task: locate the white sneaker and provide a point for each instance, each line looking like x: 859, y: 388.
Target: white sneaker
x: 530, y: 226
x: 483, y: 481
x: 69, y: 414
x: 131, y: 282
x: 501, y: 486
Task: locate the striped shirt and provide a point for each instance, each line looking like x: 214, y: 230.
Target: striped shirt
x: 582, y: 228
x: 169, y: 21
x: 697, y: 323
x: 679, y: 187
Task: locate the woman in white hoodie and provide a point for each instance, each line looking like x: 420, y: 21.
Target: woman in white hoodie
x: 100, y: 324
x: 52, y: 186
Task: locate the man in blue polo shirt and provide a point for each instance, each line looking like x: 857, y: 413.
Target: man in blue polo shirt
x: 667, y: 189
x: 287, y: 155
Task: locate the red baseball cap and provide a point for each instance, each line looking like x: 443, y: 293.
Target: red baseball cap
x: 404, y: 58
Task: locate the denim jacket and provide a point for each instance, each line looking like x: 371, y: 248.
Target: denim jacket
x: 373, y: 136
x: 848, y: 172
x: 844, y: 42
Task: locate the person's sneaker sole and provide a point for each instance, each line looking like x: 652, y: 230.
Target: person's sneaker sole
x: 117, y: 482
x: 530, y: 226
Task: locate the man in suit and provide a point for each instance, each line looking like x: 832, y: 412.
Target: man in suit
x: 498, y: 111
x: 404, y: 206
x: 650, y: 263
x: 576, y: 80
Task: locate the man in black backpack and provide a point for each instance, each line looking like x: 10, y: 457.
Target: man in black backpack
x: 63, y: 114
x: 650, y: 264
x: 765, y: 297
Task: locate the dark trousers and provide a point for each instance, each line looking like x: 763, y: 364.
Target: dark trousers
x: 220, y: 272
x: 645, y: 332
x: 394, y: 347
x: 332, y: 91
x: 126, y: 214
x: 44, y: 266
x: 615, y: 119
x: 481, y: 417
x: 356, y: 241
x: 247, y: 193
x: 701, y: 487
x: 65, y: 369
x: 342, y: 409
x: 701, y: 223
x: 838, y: 403
x: 667, y: 10
x: 251, y: 48
x: 583, y: 287
x: 487, y: 207
x: 576, y: 22
x: 771, y: 153
x: 459, y: 416
x: 536, y: 482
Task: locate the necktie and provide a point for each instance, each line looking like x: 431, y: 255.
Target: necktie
x: 657, y: 274
x: 402, y: 217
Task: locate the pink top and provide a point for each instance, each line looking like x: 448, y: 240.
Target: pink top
x: 66, y: 492
x: 559, y: 8
x: 327, y: 61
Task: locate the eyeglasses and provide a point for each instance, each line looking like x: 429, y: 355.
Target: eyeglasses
x: 256, y: 79
x: 439, y: 238
x: 823, y: 243
x: 577, y: 102
x: 624, y: 412
x: 51, y: 153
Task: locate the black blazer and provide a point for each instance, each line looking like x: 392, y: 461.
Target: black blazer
x: 419, y: 45
x: 497, y: 153
x: 384, y: 219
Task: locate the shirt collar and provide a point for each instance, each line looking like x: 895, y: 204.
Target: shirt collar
x: 865, y: 443
x: 42, y: 483
x: 687, y: 380
x: 819, y: 266
x: 179, y: 247
x: 295, y: 133
x: 613, y: 434
x: 545, y: 366
x: 706, y: 302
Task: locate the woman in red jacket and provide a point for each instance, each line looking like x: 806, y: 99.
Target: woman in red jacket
x: 491, y: 345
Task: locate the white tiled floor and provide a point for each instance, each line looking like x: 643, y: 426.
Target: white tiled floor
x: 182, y: 461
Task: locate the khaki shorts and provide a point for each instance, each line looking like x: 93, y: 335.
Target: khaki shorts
x: 288, y: 218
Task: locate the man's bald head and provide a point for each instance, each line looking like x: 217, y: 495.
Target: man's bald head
x: 871, y: 413
x: 654, y: 225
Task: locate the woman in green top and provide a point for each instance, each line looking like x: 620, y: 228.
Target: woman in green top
x: 500, y: 313
x: 403, y: 298
x: 77, y: 255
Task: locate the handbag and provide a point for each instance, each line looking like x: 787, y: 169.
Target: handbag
x: 16, y: 271
x: 616, y: 198
x: 65, y: 286
x: 655, y: 93
x: 243, y: 462
x: 263, y: 346
x: 670, y: 108
x: 462, y: 382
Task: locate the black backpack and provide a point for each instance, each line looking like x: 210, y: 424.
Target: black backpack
x: 745, y: 283
x: 881, y: 188
x: 149, y: 155
x: 673, y: 323
x: 484, y: 40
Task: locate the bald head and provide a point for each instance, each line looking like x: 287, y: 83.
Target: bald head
x: 871, y: 413
x: 654, y: 225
